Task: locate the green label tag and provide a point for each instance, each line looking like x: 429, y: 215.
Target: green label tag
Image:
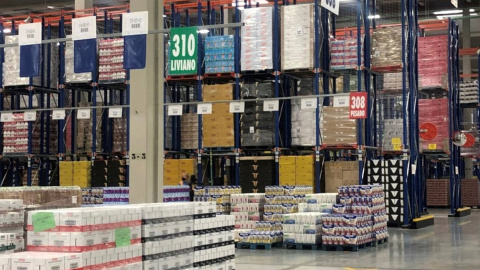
x: 183, y: 51
x: 122, y: 237
x: 43, y: 221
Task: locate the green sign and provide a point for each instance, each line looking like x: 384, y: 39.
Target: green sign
x: 183, y: 51
x: 122, y: 237
x: 43, y: 221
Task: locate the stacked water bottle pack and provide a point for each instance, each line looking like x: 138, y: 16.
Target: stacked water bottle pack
x: 264, y: 233
x: 283, y: 200
x: 219, y: 194
x: 176, y: 193
x: 302, y: 228
x: 219, y: 54
x: 247, y: 209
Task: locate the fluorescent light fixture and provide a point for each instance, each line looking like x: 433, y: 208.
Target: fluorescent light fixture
x: 472, y: 10
x: 254, y: 3
x: 374, y: 17
x: 474, y: 14
x: 449, y: 16
x: 50, y: 7
x: 203, y: 31
x: 443, y: 12
x: 7, y: 31
x: 164, y: 16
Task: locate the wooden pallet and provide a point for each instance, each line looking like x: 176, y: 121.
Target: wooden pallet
x: 353, y: 248
x: 258, y: 246
x: 302, y: 246
x: 380, y: 242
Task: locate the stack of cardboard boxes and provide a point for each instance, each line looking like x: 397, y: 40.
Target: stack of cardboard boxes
x: 336, y: 126
x: 75, y: 173
x: 387, y: 47
x: 470, y: 192
x: 218, y: 130
x: 433, y: 61
x: 438, y: 192
x: 189, y: 131
x: 340, y: 173
x: 297, y: 171
x: 174, y: 168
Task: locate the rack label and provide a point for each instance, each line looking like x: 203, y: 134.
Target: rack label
x: 135, y: 23
x: 115, y: 113
x: 332, y: 5
x: 455, y: 3
x: 342, y: 101
x: 358, y: 105
x: 30, y: 116
x: 237, y: 107
x: 205, y: 108
x: 30, y: 34
x: 58, y: 114
x: 308, y: 103
x: 6, y: 117
x: 83, y: 114
x: 84, y: 28
x: 270, y: 105
x: 175, y: 110
x: 183, y: 51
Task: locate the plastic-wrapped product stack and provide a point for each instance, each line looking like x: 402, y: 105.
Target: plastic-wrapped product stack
x: 218, y: 129
x: 189, y: 131
x: 336, y: 126
x: 392, y: 81
x: 176, y: 194
x: 257, y: 39
x: 119, y: 135
x: 219, y: 54
x: 302, y: 228
x: 469, y: 92
x: 248, y: 209
x: 320, y: 203
x: 92, y: 196
x: 387, y: 47
x: 11, y: 65
x: 392, y: 135
x: 345, y: 53
x: 44, y: 197
x: 70, y: 75
x: 110, y: 67
x: 219, y: 194
x: 84, y: 131
x: 433, y: 122
x: 433, y: 62
x: 297, y: 36
x: 116, y: 195
x: 264, y: 232
x: 11, y: 227
x: 283, y: 200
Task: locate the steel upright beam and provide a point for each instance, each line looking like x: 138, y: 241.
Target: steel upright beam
x: 200, y: 96
x: 316, y: 89
x: 276, y: 68
x: 359, y: 77
x: 237, y: 95
x: 2, y: 58
x: 61, y: 83
x: 405, y: 162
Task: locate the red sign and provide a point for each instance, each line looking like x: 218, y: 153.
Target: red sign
x: 358, y: 105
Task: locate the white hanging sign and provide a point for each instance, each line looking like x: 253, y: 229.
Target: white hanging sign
x: 175, y: 110
x: 84, y: 28
x: 331, y: 5
x: 343, y: 101
x: 30, y: 116
x: 6, y: 117
x: 270, y: 105
x: 135, y: 23
x: 237, y: 107
x: 115, y: 112
x: 30, y: 34
x: 58, y: 114
x: 205, y: 108
x: 455, y: 3
x: 308, y: 103
x: 83, y: 114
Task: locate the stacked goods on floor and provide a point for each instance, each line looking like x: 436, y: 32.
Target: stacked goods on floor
x: 359, y: 219
x: 70, y: 75
x: 44, y: 197
x: 11, y: 65
x: 392, y: 135
x: 219, y: 54
x: 433, y: 62
x: 469, y: 92
x: 119, y: 135
x: 176, y: 194
x: 92, y: 196
x: 387, y: 47
x: 173, y: 169
x: 389, y: 174
x: 470, y: 192
x: 47, y: 260
x: 264, y: 232
x: 340, y: 173
x: 392, y: 81
x: 320, y: 203
x: 219, y: 194
x: 115, y: 195
x: 302, y: 228
x: 75, y: 173
x: 189, y: 131
x: 283, y: 200
x: 256, y: 124
x: 257, y: 39
x: 438, y: 192
x: 434, y: 121
x: 11, y: 227
x: 336, y: 126
x: 247, y: 209
x: 110, y: 66
x: 297, y: 46
x: 344, y: 53
x: 218, y: 130
x: 84, y: 131
x: 297, y: 171
x: 256, y: 173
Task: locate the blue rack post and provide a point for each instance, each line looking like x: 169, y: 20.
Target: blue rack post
x: 2, y: 57
x: 359, y: 77
x: 405, y: 163
x: 237, y: 96
x: 316, y: 88
x: 61, y: 86
x: 276, y: 69
x: 199, y: 95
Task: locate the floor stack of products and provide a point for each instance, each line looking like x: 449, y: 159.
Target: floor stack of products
x: 320, y: 202
x: 176, y: 194
x: 219, y: 194
x: 302, y: 228
x: 470, y: 192
x: 340, y: 173
x: 12, y: 218
x: 297, y: 171
x: 438, y: 192
x: 281, y: 200
x: 248, y: 209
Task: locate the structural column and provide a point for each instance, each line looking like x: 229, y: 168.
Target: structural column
x: 468, y: 113
x: 146, y: 113
x: 83, y: 4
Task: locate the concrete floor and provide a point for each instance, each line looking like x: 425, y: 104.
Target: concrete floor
x: 452, y: 243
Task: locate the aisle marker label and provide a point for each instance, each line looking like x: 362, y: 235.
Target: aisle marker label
x: 183, y: 51
x: 358, y: 105
x: 84, y: 28
x: 30, y: 116
x: 205, y: 108
x: 270, y: 105
x: 115, y: 112
x: 343, y: 101
x: 237, y: 107
x: 83, y: 114
x: 332, y: 5
x: 30, y: 34
x: 308, y: 103
x: 135, y: 23
x: 7, y: 117
x: 455, y: 3
x: 58, y: 114
x: 175, y: 110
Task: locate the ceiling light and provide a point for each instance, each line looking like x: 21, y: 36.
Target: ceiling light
x: 453, y: 11
x: 7, y: 31
x: 50, y: 7
x: 203, y: 31
x: 474, y: 14
x: 472, y: 10
x: 374, y: 17
x: 449, y: 16
x: 164, y: 16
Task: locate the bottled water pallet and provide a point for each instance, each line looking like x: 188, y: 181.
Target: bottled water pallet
x: 302, y: 246
x: 258, y: 245
x: 346, y: 247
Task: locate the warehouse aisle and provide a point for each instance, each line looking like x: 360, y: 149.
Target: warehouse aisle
x: 450, y: 244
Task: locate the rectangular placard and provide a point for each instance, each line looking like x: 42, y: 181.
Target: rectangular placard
x: 135, y: 23
x: 270, y: 105
x: 84, y: 28
x: 343, y: 101
x: 183, y: 51
x: 115, y: 112
x: 30, y: 34
x: 6, y: 117
x: 237, y: 107
x: 58, y: 114
x: 331, y: 5
x: 83, y: 114
x: 175, y: 110
x: 205, y: 108
x: 30, y: 116
x: 358, y: 105
x: 308, y: 103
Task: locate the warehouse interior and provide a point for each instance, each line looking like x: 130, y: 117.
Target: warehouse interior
x: 239, y: 134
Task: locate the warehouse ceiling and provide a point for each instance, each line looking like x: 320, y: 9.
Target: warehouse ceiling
x: 18, y: 7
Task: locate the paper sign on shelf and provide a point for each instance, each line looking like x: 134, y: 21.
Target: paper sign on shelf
x: 343, y: 101
x: 84, y: 28
x: 83, y: 114
x: 237, y: 107
x: 58, y: 114
x: 331, y: 5
x: 135, y: 23
x: 175, y: 110
x: 30, y: 116
x: 308, y: 103
x: 270, y: 105
x: 115, y: 112
x: 6, y: 117
x: 30, y: 34
x: 205, y: 108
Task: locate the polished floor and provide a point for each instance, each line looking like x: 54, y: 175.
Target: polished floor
x: 452, y: 243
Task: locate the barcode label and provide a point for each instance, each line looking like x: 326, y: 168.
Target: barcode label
x: 89, y: 242
x: 37, y: 242
x: 135, y: 26
x: 30, y: 36
x: 105, y: 240
x: 58, y: 243
x: 83, y: 30
x: 55, y: 267
x: 73, y: 265
x: 21, y: 268
x: 70, y: 222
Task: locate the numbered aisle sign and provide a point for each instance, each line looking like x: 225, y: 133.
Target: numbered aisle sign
x: 358, y: 105
x: 134, y: 32
x: 84, y: 35
x: 183, y: 51
x: 29, y: 39
x: 332, y: 5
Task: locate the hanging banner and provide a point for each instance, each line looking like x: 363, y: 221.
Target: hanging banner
x: 183, y: 51
x: 358, y: 105
x: 134, y: 32
x: 84, y: 36
x: 331, y: 5
x: 29, y: 40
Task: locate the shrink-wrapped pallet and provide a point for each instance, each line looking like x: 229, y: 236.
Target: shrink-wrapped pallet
x: 257, y: 126
x: 189, y: 131
x: 257, y: 41
x: 387, y: 47
x: 433, y: 62
x: 433, y: 122
x: 219, y: 54
x: 11, y: 65
x: 336, y: 126
x: 70, y: 75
